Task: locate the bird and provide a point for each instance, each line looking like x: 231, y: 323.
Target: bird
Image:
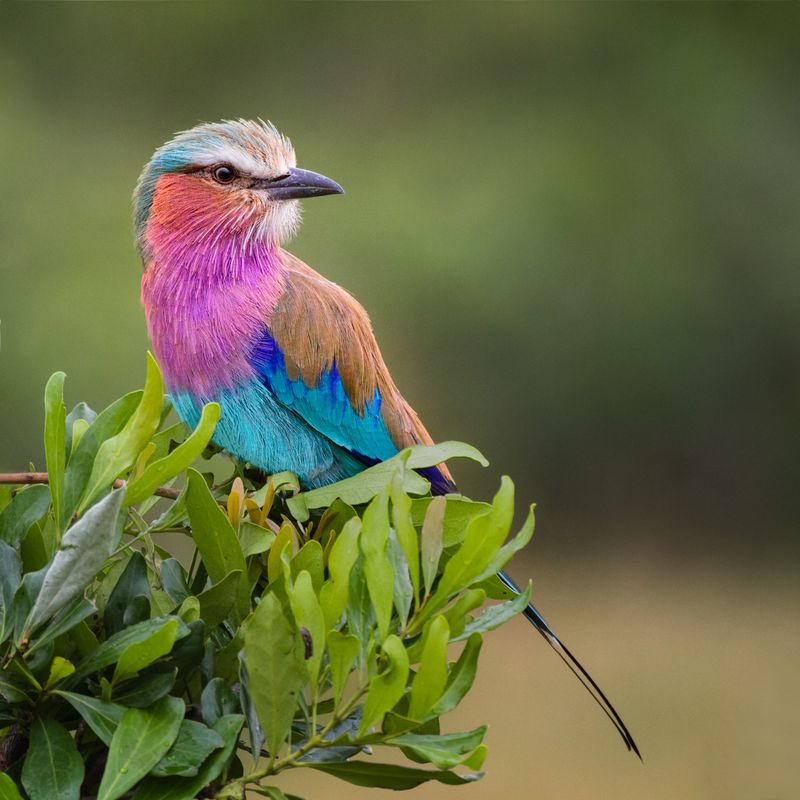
x: 235, y: 318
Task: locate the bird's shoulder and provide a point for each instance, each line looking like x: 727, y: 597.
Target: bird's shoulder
x: 319, y: 326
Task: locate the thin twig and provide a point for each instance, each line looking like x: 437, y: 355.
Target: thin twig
x: 42, y: 477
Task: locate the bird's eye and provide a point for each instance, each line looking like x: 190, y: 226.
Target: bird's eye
x: 224, y: 174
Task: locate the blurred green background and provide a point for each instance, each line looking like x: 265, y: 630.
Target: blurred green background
x: 576, y: 230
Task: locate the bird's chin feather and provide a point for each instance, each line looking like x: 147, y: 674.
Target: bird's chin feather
x: 278, y: 222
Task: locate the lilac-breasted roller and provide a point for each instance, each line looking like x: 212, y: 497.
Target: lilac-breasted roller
x: 233, y: 317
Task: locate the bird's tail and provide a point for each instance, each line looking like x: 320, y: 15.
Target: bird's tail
x: 538, y: 622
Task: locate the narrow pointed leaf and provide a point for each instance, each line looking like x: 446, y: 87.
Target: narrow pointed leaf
x: 55, y: 422
x: 158, y: 472
x: 388, y: 686
x: 342, y: 653
x: 215, y: 538
x: 308, y: 616
x: 444, y: 750
x: 388, y: 776
x: 404, y: 530
x: 343, y: 555
x: 496, y: 615
x: 431, y: 677
x: 118, y: 453
x: 377, y: 567
x: 461, y: 677
x: 108, y: 423
x: 431, y: 540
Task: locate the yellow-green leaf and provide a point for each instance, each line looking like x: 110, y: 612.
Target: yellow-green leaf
x: 162, y: 470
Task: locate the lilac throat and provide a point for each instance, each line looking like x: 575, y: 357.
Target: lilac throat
x: 207, y: 301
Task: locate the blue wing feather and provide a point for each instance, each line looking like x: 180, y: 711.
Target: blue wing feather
x: 325, y: 406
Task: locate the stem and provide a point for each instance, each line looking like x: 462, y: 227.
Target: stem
x: 42, y: 477
x: 275, y: 766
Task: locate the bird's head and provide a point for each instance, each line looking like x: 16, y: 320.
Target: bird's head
x: 227, y: 180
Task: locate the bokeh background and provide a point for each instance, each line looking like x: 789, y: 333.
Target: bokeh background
x: 576, y: 230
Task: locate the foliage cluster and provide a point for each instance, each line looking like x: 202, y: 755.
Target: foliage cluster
x: 306, y: 630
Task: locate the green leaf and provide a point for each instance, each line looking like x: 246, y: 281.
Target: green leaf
x: 107, y: 424
x: 11, y: 689
x: 431, y: 540
x: 142, y: 738
x: 403, y: 589
x: 65, y: 621
x: 308, y: 614
x: 138, y: 655
x: 273, y: 655
x: 371, y: 482
x: 118, y: 453
x: 24, y: 598
x: 431, y: 678
x: 457, y: 515
x: 356, y: 490
x: 360, y: 612
x: 59, y: 669
x: 461, y: 677
x: 84, y: 548
x: 10, y: 578
x: 496, y: 615
x: 102, y: 717
x: 173, y: 579
x: 309, y: 558
x: 55, y: 425
x: 495, y: 588
x: 158, y: 472
x: 481, y: 543
x: 77, y: 423
x: 255, y: 539
x: 504, y: 554
x: 194, y: 744
x: 110, y: 650
x: 388, y: 686
x: 217, y: 700
x: 215, y: 538
x: 146, y: 690
x: 27, y: 506
x: 456, y: 614
x: 178, y: 788
x: 377, y: 566
x: 342, y: 652
x: 343, y: 555
x: 422, y: 456
x: 8, y: 789
x: 444, y: 750
x: 132, y: 583
x: 53, y: 768
x: 387, y: 776
x: 404, y: 530
x: 217, y: 601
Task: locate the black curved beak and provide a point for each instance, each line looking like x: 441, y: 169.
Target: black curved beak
x: 300, y: 183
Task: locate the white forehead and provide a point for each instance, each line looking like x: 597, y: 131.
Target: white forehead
x: 253, y: 148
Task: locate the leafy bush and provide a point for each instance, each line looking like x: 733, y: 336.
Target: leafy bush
x: 308, y: 630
